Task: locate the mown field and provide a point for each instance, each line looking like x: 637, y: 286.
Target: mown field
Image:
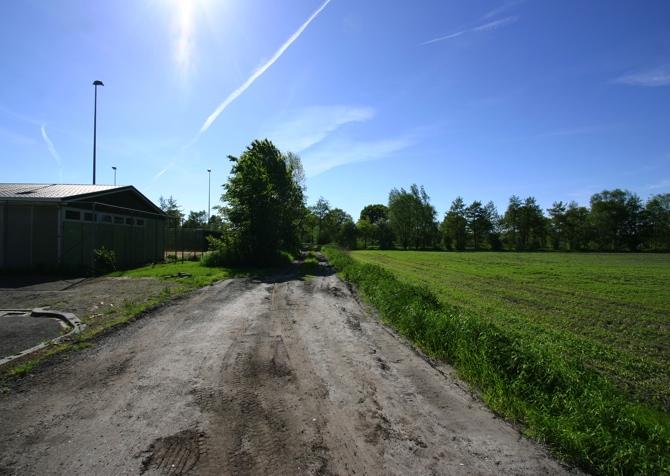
x: 613, y: 309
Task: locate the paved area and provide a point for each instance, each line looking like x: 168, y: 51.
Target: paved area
x: 19, y: 331
x: 282, y: 376
x: 87, y: 298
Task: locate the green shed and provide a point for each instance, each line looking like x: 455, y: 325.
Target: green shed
x: 57, y: 226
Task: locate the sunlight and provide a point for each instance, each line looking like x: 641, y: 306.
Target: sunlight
x: 184, y: 20
x: 185, y: 12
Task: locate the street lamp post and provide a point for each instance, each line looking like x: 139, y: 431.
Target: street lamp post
x: 114, y: 169
x: 96, y: 83
x: 209, y: 195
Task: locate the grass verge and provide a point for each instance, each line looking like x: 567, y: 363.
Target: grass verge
x: 574, y: 409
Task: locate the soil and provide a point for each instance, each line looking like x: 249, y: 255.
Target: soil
x: 287, y: 375
x: 87, y: 298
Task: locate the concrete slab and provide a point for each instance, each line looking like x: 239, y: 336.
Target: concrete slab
x: 20, y: 331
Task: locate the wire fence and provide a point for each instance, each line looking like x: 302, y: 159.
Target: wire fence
x: 184, y: 244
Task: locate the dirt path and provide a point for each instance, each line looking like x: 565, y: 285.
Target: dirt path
x: 255, y: 377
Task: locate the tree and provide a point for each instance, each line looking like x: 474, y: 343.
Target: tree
x: 402, y: 216
x: 511, y: 223
x: 265, y: 203
x: 658, y: 217
x: 377, y: 216
x: 385, y: 236
x: 557, y: 224
x: 334, y: 224
x: 320, y: 210
x: 478, y: 223
x: 617, y: 218
x: 374, y: 213
x: 412, y: 217
x: 577, y: 227
x: 426, y: 226
x: 523, y: 225
x: 171, y: 209
x: 454, y: 226
x: 366, y: 231
x: 215, y: 223
x: 533, y: 226
x: 196, y: 220
x: 494, y: 229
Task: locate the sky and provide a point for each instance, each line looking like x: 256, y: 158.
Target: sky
x: 480, y: 98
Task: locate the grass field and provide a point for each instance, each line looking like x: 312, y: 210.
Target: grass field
x: 612, y: 309
x: 572, y: 346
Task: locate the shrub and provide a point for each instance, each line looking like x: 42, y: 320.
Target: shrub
x: 104, y: 260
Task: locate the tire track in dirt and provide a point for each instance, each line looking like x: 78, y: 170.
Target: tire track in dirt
x: 278, y: 376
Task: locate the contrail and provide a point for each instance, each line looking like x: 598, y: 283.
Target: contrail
x: 259, y: 72
x: 50, y: 145
x: 492, y: 25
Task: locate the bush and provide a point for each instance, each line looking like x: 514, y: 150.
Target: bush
x: 222, y: 253
x: 104, y: 260
x: 573, y: 408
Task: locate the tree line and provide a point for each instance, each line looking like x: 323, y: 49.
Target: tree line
x: 615, y: 220
x: 263, y: 212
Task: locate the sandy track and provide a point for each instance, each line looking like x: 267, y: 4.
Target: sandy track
x: 284, y: 376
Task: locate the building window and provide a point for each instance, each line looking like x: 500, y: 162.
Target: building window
x: 106, y: 218
x: 88, y: 216
x: 129, y: 221
x: 72, y: 215
x: 118, y: 220
x: 139, y: 221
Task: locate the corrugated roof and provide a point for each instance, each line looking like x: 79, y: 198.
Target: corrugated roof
x: 53, y: 191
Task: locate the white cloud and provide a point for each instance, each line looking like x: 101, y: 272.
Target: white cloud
x: 50, y: 145
x: 492, y: 25
x: 312, y: 125
x: 259, y: 72
x: 335, y: 154
x: 649, y: 78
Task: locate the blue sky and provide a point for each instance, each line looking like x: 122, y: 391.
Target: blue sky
x: 483, y: 99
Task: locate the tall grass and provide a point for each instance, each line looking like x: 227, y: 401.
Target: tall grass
x: 558, y: 399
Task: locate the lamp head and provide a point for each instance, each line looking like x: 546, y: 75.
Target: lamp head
x: 97, y: 82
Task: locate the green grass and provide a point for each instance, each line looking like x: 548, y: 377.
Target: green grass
x: 570, y: 345
x: 199, y: 275
x: 612, y: 309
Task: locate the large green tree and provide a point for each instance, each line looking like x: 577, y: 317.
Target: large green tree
x: 658, y: 218
x: 412, y: 218
x: 196, y: 220
x: 454, y: 226
x: 618, y: 220
x: 373, y: 225
x: 172, y: 210
x: 319, y: 211
x: 265, y: 202
x: 557, y: 224
x: 402, y: 216
x: 478, y: 224
x: 577, y: 227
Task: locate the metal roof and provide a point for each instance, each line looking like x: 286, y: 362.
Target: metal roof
x: 58, y: 192
x: 53, y: 191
